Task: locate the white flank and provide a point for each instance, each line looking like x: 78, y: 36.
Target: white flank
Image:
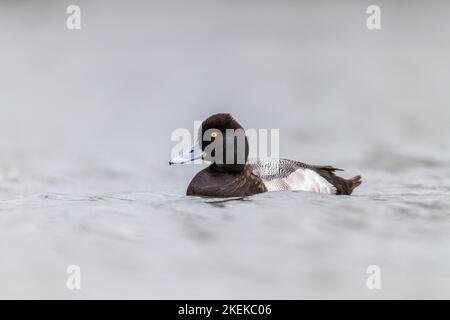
x: 302, y: 180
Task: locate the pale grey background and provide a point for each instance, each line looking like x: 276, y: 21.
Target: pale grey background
x: 85, y: 124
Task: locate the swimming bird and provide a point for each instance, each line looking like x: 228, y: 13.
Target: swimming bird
x: 232, y: 174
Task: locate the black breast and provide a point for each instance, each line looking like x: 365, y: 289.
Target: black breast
x: 212, y: 183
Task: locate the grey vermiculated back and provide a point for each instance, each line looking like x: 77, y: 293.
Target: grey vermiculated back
x: 269, y: 169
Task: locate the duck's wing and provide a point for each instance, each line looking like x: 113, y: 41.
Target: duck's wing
x: 284, y: 174
x: 271, y: 169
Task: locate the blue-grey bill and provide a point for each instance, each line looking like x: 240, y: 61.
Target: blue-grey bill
x: 193, y: 154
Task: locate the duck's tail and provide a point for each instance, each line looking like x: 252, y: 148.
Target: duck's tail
x: 343, y: 186
x: 354, y: 182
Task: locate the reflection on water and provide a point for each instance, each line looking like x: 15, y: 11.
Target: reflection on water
x: 85, y: 124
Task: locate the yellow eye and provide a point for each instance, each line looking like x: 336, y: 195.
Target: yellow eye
x: 213, y: 134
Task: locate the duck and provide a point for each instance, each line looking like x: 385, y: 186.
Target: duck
x: 231, y: 173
